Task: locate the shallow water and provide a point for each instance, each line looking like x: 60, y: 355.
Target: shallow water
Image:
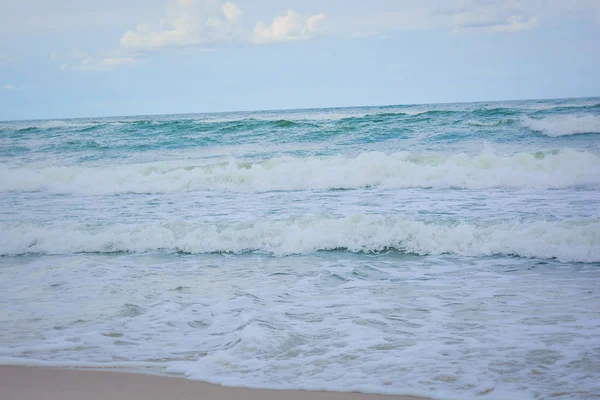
x: 446, y: 250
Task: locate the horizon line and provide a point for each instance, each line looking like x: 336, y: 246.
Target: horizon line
x: 298, y: 109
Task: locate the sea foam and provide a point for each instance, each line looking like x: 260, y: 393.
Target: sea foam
x: 567, y: 241
x: 557, y: 169
x: 564, y: 125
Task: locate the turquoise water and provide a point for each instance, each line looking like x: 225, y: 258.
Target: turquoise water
x: 448, y: 250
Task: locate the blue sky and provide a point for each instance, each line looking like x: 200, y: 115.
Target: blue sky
x: 79, y: 58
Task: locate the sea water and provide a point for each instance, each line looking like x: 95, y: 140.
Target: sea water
x: 448, y: 250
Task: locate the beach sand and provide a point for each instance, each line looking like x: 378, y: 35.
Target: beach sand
x: 38, y: 383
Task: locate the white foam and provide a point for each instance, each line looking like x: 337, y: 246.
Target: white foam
x: 566, y: 168
x: 442, y: 327
x: 566, y: 241
x: 29, y: 362
x: 334, y: 114
x: 49, y: 124
x: 564, y: 125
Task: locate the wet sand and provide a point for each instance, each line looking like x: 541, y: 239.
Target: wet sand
x: 39, y: 383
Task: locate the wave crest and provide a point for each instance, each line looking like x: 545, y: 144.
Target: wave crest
x: 566, y: 241
x: 564, y: 125
x: 558, y: 169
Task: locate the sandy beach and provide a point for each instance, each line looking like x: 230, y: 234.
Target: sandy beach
x: 34, y: 383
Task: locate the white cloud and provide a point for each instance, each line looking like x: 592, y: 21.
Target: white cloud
x: 232, y: 12
x: 4, y: 59
x: 515, y: 23
x: 86, y: 63
x: 292, y: 26
x: 401, y: 16
x: 493, y: 16
x: 89, y: 65
x: 54, y: 56
x: 80, y: 55
x: 451, y: 15
x: 9, y: 86
x: 118, y: 60
x: 186, y: 23
x: 192, y: 23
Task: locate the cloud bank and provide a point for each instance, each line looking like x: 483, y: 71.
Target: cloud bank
x: 204, y: 24
x: 197, y: 22
x: 498, y: 16
x: 80, y: 61
x: 289, y: 27
x: 186, y: 23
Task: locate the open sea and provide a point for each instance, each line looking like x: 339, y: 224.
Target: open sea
x: 448, y: 250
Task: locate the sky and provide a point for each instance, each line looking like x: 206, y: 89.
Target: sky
x: 84, y: 58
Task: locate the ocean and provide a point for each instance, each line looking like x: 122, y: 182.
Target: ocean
x: 446, y: 250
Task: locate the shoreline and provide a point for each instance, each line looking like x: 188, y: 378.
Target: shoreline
x: 53, y: 383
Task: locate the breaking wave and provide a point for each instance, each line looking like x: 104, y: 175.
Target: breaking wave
x: 567, y: 241
x: 556, y: 169
x: 564, y: 125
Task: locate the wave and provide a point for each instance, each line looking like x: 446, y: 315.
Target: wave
x: 151, y: 125
x: 572, y: 107
x: 484, y: 124
x: 28, y: 126
x: 577, y: 241
x: 558, y: 169
x: 283, y: 119
x: 284, y: 123
x: 564, y: 125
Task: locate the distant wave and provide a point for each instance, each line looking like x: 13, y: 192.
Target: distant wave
x: 387, y: 114
x: 441, y: 112
x: 566, y: 241
x: 257, y: 121
x: 286, y: 119
x: 165, y: 125
x: 576, y: 107
x: 484, y: 124
x: 28, y: 126
x: 559, y: 169
x: 564, y: 125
